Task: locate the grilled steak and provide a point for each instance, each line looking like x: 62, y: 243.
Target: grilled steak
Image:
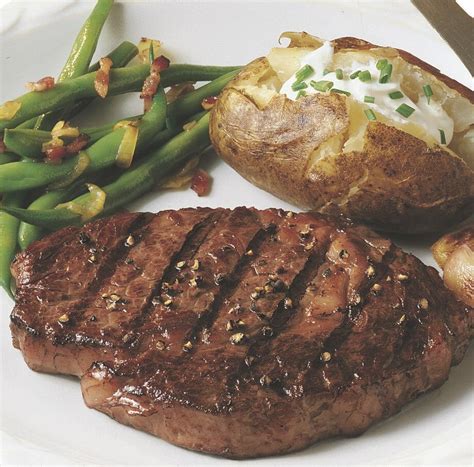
x: 237, y: 332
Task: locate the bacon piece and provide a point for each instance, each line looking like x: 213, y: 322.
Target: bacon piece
x: 150, y: 86
x: 55, y: 150
x: 208, y: 102
x: 55, y: 155
x: 102, y: 77
x: 77, y: 144
x: 160, y: 63
x: 42, y: 85
x: 201, y: 182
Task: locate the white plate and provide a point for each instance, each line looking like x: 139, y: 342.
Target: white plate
x: 43, y: 418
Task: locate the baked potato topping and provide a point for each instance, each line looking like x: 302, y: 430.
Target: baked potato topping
x: 347, y: 126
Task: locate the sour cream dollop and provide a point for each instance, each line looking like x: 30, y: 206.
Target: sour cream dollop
x: 427, y: 113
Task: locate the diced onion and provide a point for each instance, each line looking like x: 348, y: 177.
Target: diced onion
x: 52, y: 143
x: 61, y: 129
x: 179, y: 90
x: 144, y: 49
x: 183, y: 177
x: 127, y: 147
x: 190, y: 125
x: 83, y: 162
x: 42, y: 85
x: 9, y: 110
x: 91, y: 209
x: 102, y: 77
x: 123, y: 123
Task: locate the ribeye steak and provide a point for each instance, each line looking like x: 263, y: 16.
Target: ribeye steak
x: 237, y: 332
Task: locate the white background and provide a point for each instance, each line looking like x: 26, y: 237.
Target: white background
x: 43, y: 419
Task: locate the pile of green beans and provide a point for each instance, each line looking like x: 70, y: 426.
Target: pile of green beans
x: 32, y: 190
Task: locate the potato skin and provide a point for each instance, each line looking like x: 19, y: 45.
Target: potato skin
x: 395, y: 183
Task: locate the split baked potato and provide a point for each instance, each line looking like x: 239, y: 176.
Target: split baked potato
x: 336, y: 152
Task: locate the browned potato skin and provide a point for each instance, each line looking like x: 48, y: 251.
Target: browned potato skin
x: 399, y: 183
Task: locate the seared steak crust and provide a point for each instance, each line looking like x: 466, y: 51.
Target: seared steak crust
x: 237, y: 332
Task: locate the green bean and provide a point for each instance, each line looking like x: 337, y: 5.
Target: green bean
x: 50, y: 219
x: 26, y: 143
x: 13, y: 177
x: 154, y: 169
x: 120, y: 57
x: 8, y: 234
x: 121, y: 80
x: 99, y: 132
x: 7, y: 157
x: 28, y: 233
x: 191, y: 102
x: 82, y: 51
x: 25, y: 175
x: 86, y: 41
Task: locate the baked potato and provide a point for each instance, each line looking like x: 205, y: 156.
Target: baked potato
x: 321, y: 142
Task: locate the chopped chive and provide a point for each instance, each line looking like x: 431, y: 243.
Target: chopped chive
x: 298, y: 85
x: 428, y: 92
x: 365, y: 75
x: 442, y: 136
x: 405, y: 110
x: 395, y: 95
x: 340, y: 91
x: 322, y: 86
x: 386, y: 73
x: 339, y: 74
x: 304, y: 72
x: 151, y: 53
x: 326, y: 71
x: 354, y: 75
x: 381, y: 64
x: 301, y: 93
x: 369, y: 113
x: 369, y: 99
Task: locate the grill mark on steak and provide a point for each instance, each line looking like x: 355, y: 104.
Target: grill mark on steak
x: 231, y: 282
x: 121, y: 301
x: 53, y: 295
x: 283, y: 247
x: 337, y: 373
x: 326, y: 322
x: 106, y: 269
x: 282, y: 315
x: 48, y: 253
x: 194, y: 239
x: 177, y: 325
